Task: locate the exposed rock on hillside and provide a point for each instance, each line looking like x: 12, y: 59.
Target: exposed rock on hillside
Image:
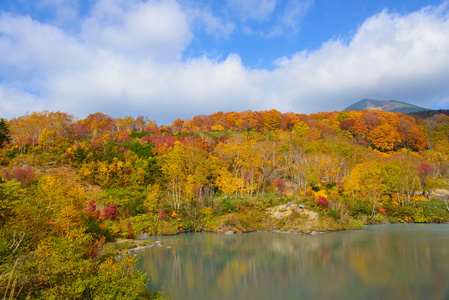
x: 291, y: 209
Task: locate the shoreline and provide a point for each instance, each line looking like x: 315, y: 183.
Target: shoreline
x: 133, y: 246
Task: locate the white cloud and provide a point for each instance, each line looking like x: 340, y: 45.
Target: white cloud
x: 214, y: 25
x: 160, y: 91
x: 290, y: 19
x: 281, y: 17
x: 31, y: 51
x: 391, y: 56
x: 260, y: 10
x: 16, y: 102
x: 153, y: 29
x: 126, y: 60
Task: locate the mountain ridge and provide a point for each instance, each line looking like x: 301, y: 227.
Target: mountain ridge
x: 386, y: 105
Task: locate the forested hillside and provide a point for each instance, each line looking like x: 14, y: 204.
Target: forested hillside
x: 69, y: 187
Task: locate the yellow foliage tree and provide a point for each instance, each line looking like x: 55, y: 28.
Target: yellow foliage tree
x: 366, y: 181
x: 153, y: 200
x: 231, y: 185
x: 244, y: 160
x: 185, y: 168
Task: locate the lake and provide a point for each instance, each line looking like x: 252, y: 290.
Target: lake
x: 398, y: 261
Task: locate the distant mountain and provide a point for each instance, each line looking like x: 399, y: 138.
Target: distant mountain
x: 387, y: 105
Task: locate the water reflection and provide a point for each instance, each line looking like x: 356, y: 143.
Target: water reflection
x: 403, y: 261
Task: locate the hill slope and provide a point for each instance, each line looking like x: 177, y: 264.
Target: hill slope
x: 388, y: 105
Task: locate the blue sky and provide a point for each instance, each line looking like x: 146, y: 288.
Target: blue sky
x: 170, y: 59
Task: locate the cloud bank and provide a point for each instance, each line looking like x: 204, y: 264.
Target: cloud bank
x: 128, y: 58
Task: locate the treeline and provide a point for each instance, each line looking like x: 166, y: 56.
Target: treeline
x: 75, y: 184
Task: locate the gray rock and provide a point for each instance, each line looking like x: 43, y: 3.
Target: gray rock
x: 139, y: 248
x: 143, y: 236
x: 317, y: 232
x: 229, y: 232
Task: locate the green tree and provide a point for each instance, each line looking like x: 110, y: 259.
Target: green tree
x: 4, y: 133
x: 9, y: 197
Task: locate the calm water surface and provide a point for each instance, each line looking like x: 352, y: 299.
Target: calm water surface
x: 400, y: 261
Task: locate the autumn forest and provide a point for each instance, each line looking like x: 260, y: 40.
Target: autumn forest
x: 70, y: 188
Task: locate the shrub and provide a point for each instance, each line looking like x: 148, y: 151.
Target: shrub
x: 73, y: 267
x: 266, y: 202
x: 399, y: 213
x: 227, y: 206
x: 130, y: 234
x: 229, y: 220
x: 126, y: 199
x: 334, y: 214
x: 110, y: 212
x: 322, y: 202
x: 22, y: 175
x: 355, y: 224
x: 280, y: 186
x: 92, y: 209
x: 188, y: 226
x: 430, y: 211
x: 167, y: 227
x: 360, y: 209
x: 94, y: 227
x: 162, y: 215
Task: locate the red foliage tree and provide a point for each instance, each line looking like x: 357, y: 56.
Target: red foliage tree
x: 110, y: 212
x: 92, y: 209
x: 424, y: 171
x: 162, y: 215
x: 280, y: 185
x: 96, y: 248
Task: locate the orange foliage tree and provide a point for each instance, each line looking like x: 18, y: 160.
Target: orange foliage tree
x: 98, y: 123
x: 41, y: 127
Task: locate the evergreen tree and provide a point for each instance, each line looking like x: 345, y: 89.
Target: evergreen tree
x: 4, y: 133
